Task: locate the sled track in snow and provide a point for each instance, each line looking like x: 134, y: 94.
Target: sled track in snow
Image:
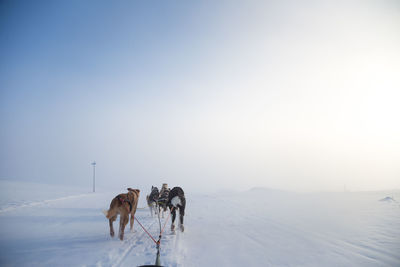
x: 132, y: 241
x: 141, y: 250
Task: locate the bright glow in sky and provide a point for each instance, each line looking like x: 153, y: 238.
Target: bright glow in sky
x: 205, y: 94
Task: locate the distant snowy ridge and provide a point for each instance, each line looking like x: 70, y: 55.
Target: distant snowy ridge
x: 264, y: 189
x: 13, y: 206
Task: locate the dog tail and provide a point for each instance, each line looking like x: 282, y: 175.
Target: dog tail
x: 106, y: 214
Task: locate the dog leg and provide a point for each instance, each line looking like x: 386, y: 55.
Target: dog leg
x: 132, y: 220
x: 181, y: 214
x: 111, y: 221
x: 173, y: 219
x: 122, y: 223
x: 120, y: 233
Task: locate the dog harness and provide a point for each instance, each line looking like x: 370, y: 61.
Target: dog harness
x: 125, y: 201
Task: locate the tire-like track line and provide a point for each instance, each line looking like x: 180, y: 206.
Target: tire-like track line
x: 132, y: 245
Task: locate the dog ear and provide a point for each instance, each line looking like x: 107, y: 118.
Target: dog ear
x: 129, y: 189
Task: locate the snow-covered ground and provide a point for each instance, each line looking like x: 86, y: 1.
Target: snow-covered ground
x: 42, y: 225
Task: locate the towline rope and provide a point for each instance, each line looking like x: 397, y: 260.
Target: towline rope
x: 146, y: 230
x: 161, y: 231
x: 158, y: 242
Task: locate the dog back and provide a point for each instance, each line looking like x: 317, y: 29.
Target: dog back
x: 177, y: 197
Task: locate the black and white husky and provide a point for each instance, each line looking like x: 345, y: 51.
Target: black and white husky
x: 152, y: 200
x: 177, y: 200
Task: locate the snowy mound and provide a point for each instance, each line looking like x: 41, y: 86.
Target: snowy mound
x: 388, y: 199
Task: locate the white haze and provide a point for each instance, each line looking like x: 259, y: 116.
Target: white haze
x: 300, y: 96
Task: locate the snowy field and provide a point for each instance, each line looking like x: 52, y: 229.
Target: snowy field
x: 43, y: 225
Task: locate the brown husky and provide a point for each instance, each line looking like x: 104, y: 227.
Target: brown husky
x: 123, y: 204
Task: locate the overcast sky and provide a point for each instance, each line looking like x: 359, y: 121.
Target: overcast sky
x: 298, y: 95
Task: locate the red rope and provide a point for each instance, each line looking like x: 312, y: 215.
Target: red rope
x: 146, y: 231
x: 166, y: 222
x: 159, y: 240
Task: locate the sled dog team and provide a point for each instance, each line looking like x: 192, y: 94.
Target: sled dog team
x: 159, y: 201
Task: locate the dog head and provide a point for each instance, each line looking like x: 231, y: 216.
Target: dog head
x: 154, y: 189
x: 137, y: 191
x: 133, y: 195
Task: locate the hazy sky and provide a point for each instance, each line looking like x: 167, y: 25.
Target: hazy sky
x: 299, y: 95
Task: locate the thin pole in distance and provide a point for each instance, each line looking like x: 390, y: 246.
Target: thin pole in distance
x: 94, y: 175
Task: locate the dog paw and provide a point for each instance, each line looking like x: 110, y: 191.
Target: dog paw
x: 172, y: 227
x: 182, y: 228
